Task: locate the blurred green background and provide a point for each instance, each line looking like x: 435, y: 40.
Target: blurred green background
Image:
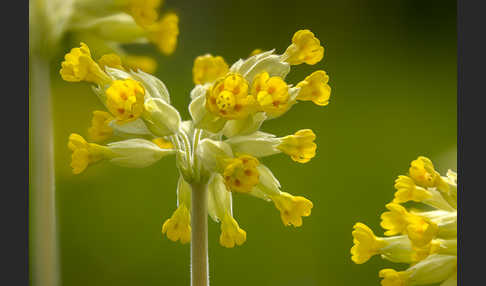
x: 392, y: 68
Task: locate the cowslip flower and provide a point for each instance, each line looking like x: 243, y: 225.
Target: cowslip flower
x: 106, y: 26
x: 218, y: 152
x: 425, y: 239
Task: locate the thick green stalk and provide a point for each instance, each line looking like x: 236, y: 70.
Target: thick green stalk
x: 199, y: 235
x: 44, y: 266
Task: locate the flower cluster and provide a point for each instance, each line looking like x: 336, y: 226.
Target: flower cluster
x: 221, y: 147
x: 106, y: 25
x: 425, y: 238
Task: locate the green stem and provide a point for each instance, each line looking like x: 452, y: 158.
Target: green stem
x: 197, y: 137
x: 199, y: 235
x: 44, y: 268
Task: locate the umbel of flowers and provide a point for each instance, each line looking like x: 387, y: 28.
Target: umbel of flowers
x: 424, y: 237
x: 222, y: 146
x: 105, y: 26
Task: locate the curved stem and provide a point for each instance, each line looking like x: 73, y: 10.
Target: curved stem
x: 43, y: 216
x: 199, y: 235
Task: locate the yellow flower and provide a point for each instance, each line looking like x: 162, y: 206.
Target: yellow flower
x: 178, y: 226
x: 111, y: 60
x: 162, y: 143
x: 85, y: 153
x: 164, y: 33
x: 305, y: 48
x: 408, y: 191
x: 420, y: 230
x: 124, y: 99
x: 146, y: 64
x: 300, y: 146
x: 393, y: 278
x: 366, y: 244
x: 231, y: 233
x: 427, y: 240
x: 144, y: 12
x: 256, y: 52
x: 292, y: 208
x: 271, y: 94
x: 315, y: 88
x: 100, y: 129
x: 423, y: 173
x: 229, y: 98
x: 79, y: 66
x: 395, y: 221
x: 208, y: 68
x: 241, y: 174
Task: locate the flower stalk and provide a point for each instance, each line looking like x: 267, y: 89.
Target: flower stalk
x: 43, y: 219
x: 199, y: 235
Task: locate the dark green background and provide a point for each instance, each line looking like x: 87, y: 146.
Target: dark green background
x: 392, y: 68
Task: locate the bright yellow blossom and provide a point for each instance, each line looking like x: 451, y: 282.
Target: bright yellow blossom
x: 305, y: 48
x: 100, y: 129
x: 85, y: 153
x: 208, y: 68
x: 164, y: 33
x: 241, y: 174
x: 271, y: 94
x: 144, y: 12
x: 229, y: 98
x: 231, y: 233
x: 178, y: 226
x: 124, y: 99
x: 315, y: 88
x: 428, y: 238
x: 408, y: 191
x: 292, y: 208
x: 393, y: 278
x: 162, y: 143
x: 423, y: 173
x: 366, y: 244
x: 79, y: 66
x: 395, y: 220
x: 300, y: 146
x: 419, y: 229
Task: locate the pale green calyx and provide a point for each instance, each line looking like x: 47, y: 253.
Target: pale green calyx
x: 137, y: 153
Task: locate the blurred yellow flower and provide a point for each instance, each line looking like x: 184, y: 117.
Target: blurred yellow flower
x: 208, y: 68
x: 425, y: 239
